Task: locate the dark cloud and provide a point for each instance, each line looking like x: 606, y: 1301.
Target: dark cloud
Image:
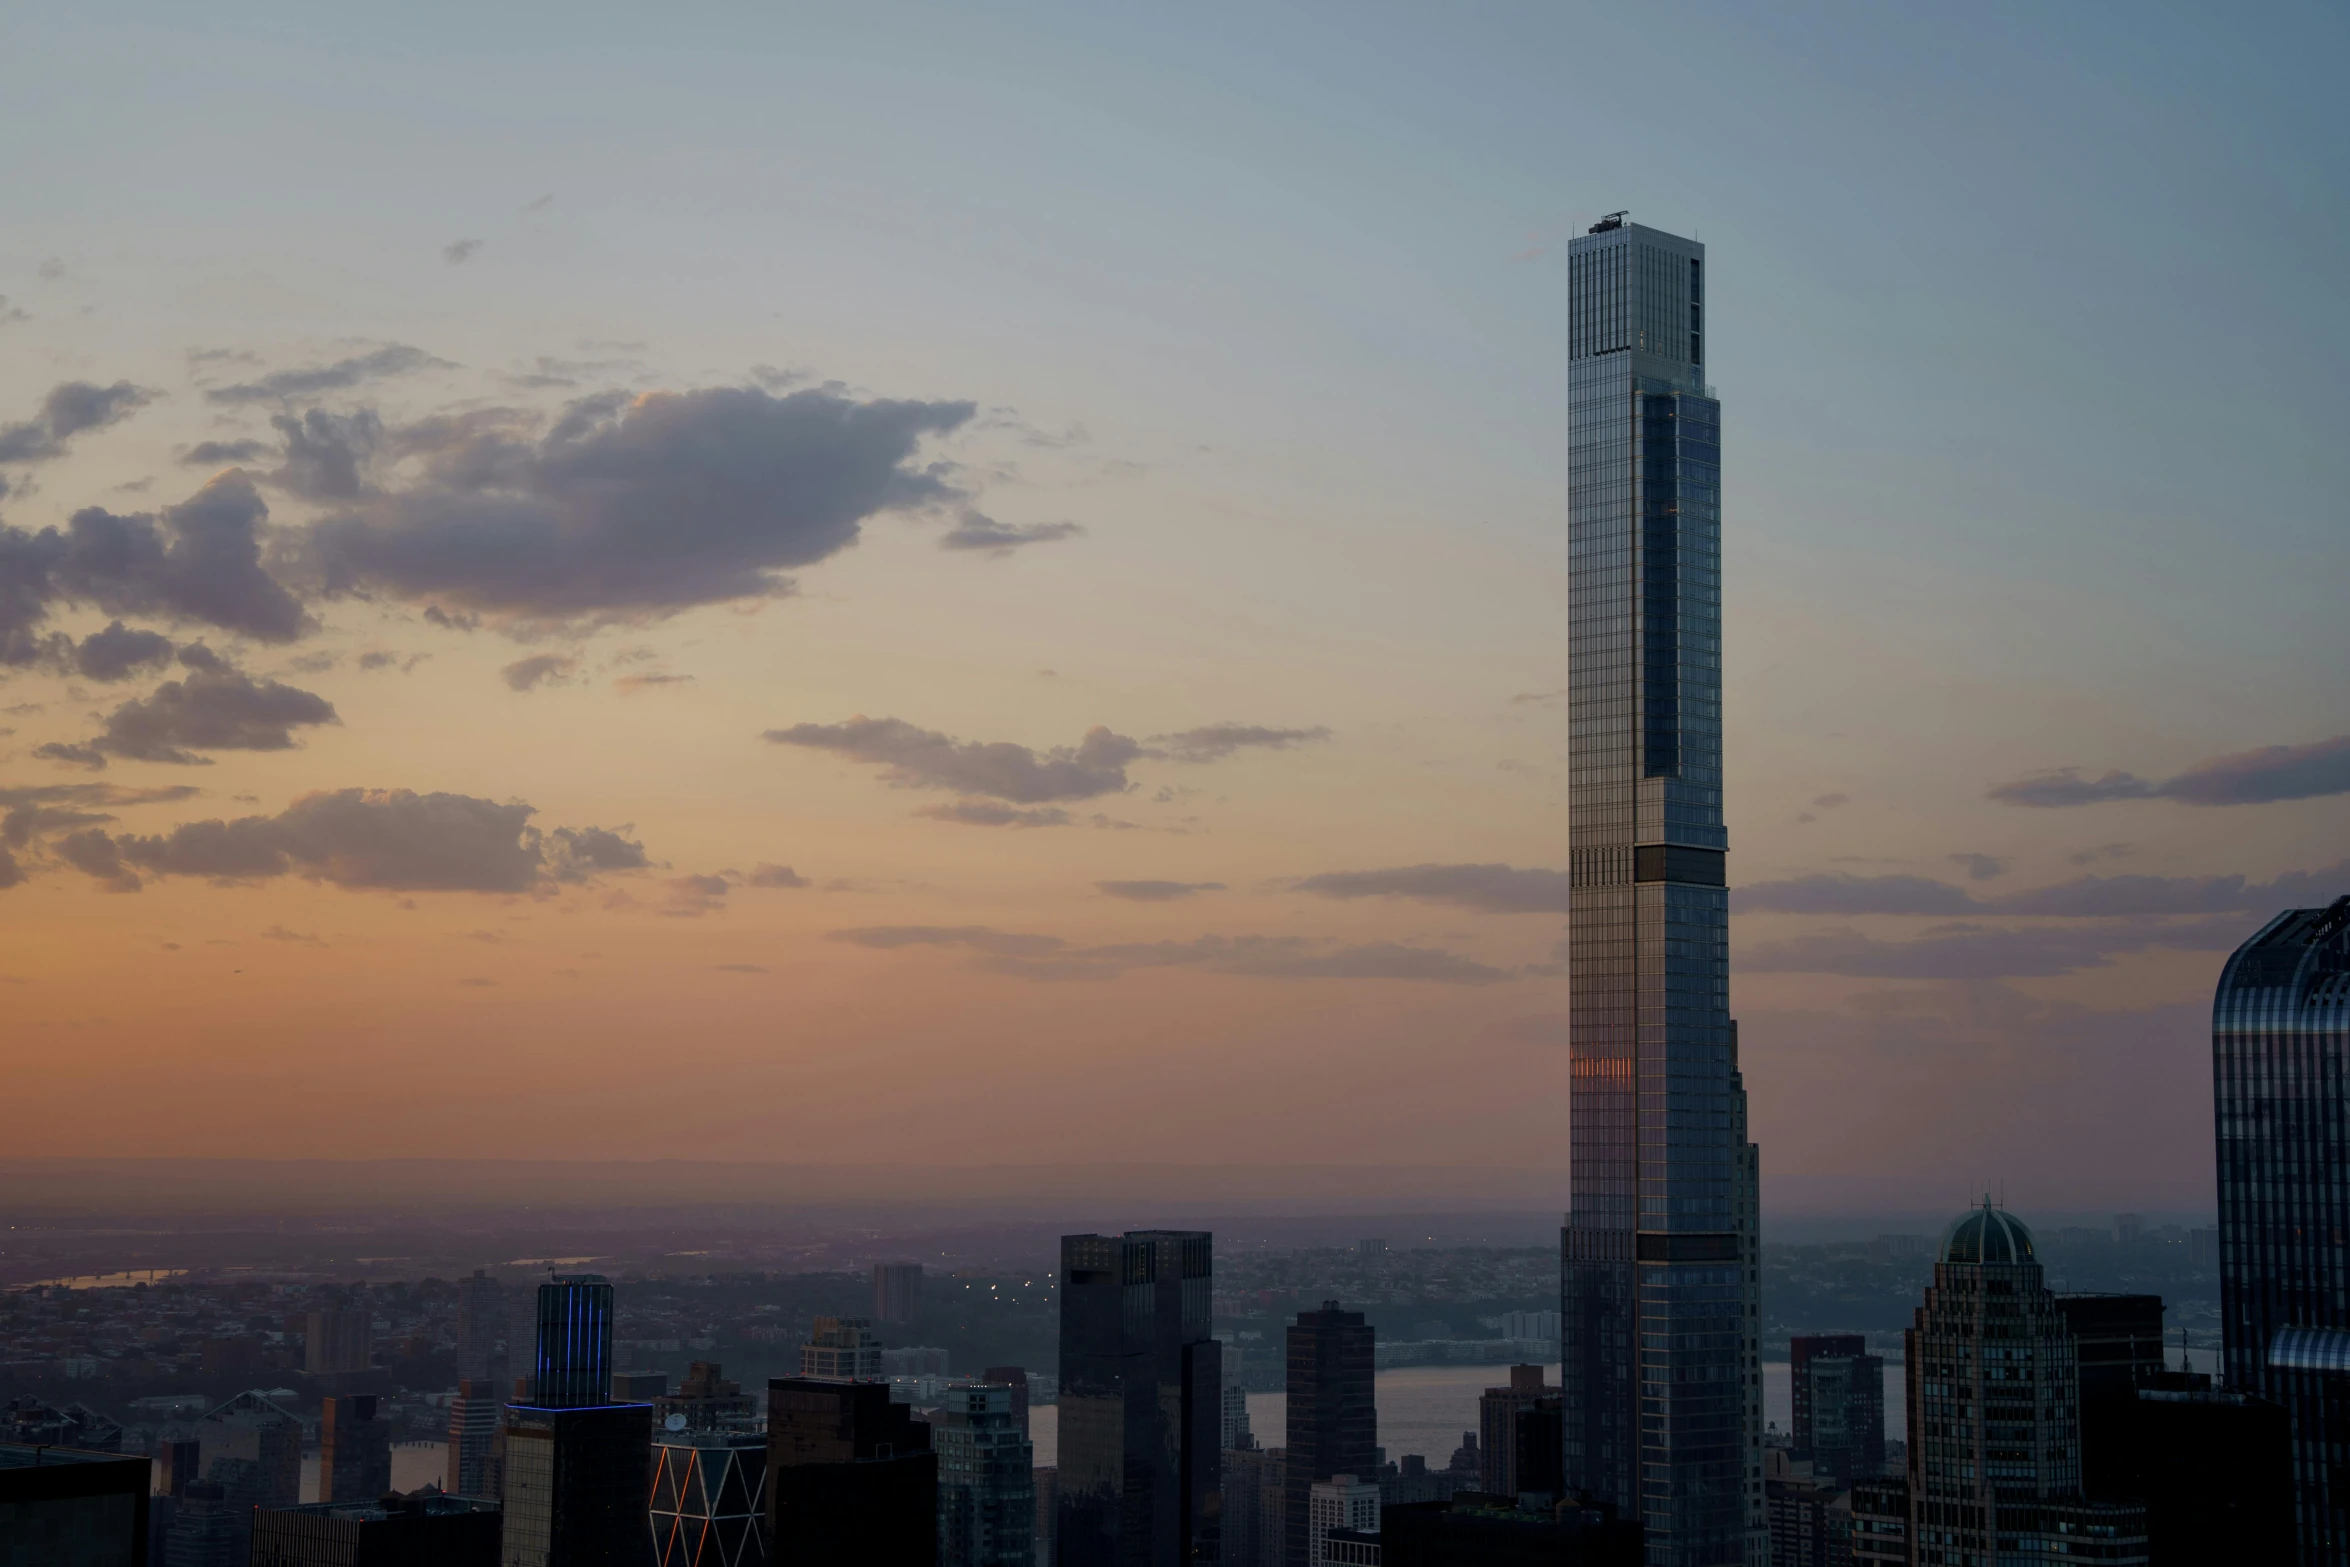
x: 1972, y: 951
x: 215, y: 452
x: 10, y: 872
x: 1040, y: 957
x: 775, y: 876
x: 70, y: 408
x: 373, y: 839
x: 2257, y: 777
x: 199, y: 561
x: 1213, y: 742
x: 925, y: 759
x: 71, y: 755
x: 327, y: 455
x: 284, y: 385
x: 987, y: 813
x: 119, y: 652
x: 540, y: 669
x: 1980, y: 867
x: 1494, y: 889
x: 215, y: 708
x: 23, y: 823
x: 697, y: 895
x: 637, y: 506
x: 93, y: 853
x: 1155, y: 891
x: 95, y: 794
x: 458, y: 252
x: 976, y: 531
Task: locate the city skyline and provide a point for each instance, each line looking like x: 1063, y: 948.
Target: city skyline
x: 1202, y: 475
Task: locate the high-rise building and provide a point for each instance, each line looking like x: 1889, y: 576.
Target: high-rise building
x: 1473, y: 1529
x: 385, y: 1531
x: 1236, y: 1432
x: 209, y: 1528
x: 1994, y: 1413
x: 1497, y: 1433
x: 72, y: 1508
x: 2280, y: 1044
x: 2117, y: 1346
x: 354, y: 1450
x: 986, y: 1480
x: 254, y: 1448
x: 2215, y: 1468
x: 897, y: 1291
x: 338, y: 1341
x: 709, y: 1494
x: 706, y: 1401
x: 1660, y: 1264
x: 851, y: 1479
x: 1840, y: 1415
x: 1344, y: 1501
x: 1246, y: 1471
x: 481, y: 1329
x: 1141, y: 1400
x: 571, y: 1365
x: 476, y: 1440
x: 1880, y: 1522
x: 1333, y: 1417
x: 1801, y: 1348
x: 841, y: 1349
x: 1048, y: 1511
x: 1014, y: 1378
x: 576, y: 1467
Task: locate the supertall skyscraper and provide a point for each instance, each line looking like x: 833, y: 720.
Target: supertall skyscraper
x: 1659, y: 1267
x: 2280, y: 1048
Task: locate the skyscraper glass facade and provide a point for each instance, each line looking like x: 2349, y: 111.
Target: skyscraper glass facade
x: 572, y: 1368
x: 1659, y: 1272
x: 2280, y: 1052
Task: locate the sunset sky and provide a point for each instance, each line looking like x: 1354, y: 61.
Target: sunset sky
x: 968, y: 585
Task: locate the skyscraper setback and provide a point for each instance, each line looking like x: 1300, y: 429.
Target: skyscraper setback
x: 1659, y: 1272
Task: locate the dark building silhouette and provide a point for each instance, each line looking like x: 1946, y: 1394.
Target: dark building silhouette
x: 1839, y: 1399
x: 2215, y: 1469
x: 2117, y: 1345
x: 426, y: 1529
x: 851, y: 1479
x: 2280, y: 1045
x: 1497, y: 1433
x: 354, y: 1450
x: 1141, y: 1401
x: 1880, y: 1522
x: 1475, y: 1529
x: 176, y: 1463
x: 1659, y: 1264
x: 36, y: 1423
x: 1333, y: 1419
x: 986, y: 1480
x: 897, y: 1291
x: 576, y: 1469
x: 481, y: 1329
x: 1015, y: 1378
x: 64, y: 1507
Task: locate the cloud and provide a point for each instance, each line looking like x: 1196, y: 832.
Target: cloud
x: 71, y: 755
x: 976, y: 531
x: 1155, y: 891
x: 10, y: 872
x: 199, y: 561
x: 629, y: 685
x: 93, y: 853
x: 1213, y: 742
x: 460, y: 251
x: 23, y: 823
x: 216, y: 452
x: 2257, y: 777
x: 284, y: 385
x: 2083, y: 897
x: 775, y: 876
x: 71, y: 408
x: 1972, y: 951
x: 1041, y: 957
x: 925, y: 759
x: 986, y: 813
x: 327, y: 455
x: 215, y: 708
x: 553, y: 669
x: 697, y: 895
x: 1493, y: 889
x: 1980, y: 867
x: 377, y: 839
x: 1829, y: 802
x: 631, y: 507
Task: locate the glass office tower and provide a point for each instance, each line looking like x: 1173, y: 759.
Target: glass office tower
x: 1659, y: 1290
x: 2280, y: 1056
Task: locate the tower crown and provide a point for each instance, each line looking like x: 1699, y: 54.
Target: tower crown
x: 1987, y: 1234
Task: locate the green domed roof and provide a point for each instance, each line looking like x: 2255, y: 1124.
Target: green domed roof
x: 1987, y: 1234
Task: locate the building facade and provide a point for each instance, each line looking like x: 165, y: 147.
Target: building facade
x: 1994, y: 1414
x: 476, y: 1440
x: 354, y: 1450
x: 841, y: 1349
x: 986, y: 1479
x: 2280, y: 1049
x: 1342, y: 1502
x: 1141, y: 1396
x: 1840, y: 1416
x: 339, y: 1341
x: 424, y: 1530
x: 851, y: 1478
x: 576, y: 1467
x: 64, y: 1507
x: 481, y: 1329
x: 1333, y: 1421
x: 709, y: 1505
x: 571, y: 1366
x: 897, y: 1291
x: 1659, y: 1285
